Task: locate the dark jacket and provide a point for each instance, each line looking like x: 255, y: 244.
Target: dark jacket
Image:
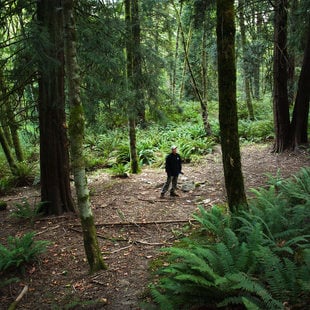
x: 173, y: 164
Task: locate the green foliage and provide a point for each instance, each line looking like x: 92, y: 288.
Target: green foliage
x: 6, y: 183
x: 120, y: 170
x: 24, y: 173
x: 258, y: 259
x: 256, y: 131
x: 26, y: 211
x: 5, y: 282
x: 20, y: 251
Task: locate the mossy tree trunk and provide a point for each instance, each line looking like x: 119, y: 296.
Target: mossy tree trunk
x: 246, y: 79
x: 228, y: 105
x: 199, y: 94
x: 76, y: 134
x: 131, y: 72
x: 7, y: 152
x: 8, y: 123
x: 54, y: 146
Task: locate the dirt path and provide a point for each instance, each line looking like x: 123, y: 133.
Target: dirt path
x: 61, y: 276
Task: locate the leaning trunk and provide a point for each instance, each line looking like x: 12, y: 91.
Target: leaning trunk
x: 7, y: 152
x: 76, y: 132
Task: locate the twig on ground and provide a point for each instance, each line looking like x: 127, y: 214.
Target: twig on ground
x: 142, y: 223
x: 19, y: 297
x: 48, y: 229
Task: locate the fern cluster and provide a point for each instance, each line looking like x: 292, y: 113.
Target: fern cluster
x: 20, y: 251
x: 258, y: 259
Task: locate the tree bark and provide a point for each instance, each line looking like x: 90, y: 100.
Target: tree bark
x: 280, y: 95
x: 228, y: 105
x: 7, y: 152
x: 299, y: 125
x: 137, y: 63
x: 247, y: 87
x: 54, y: 152
x: 203, y: 104
x: 76, y: 134
x: 204, y: 78
x: 134, y: 164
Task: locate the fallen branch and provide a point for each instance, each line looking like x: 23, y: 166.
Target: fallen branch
x: 19, y: 297
x: 150, y: 243
x: 141, y: 223
x: 100, y: 235
x: 121, y: 249
x: 48, y: 229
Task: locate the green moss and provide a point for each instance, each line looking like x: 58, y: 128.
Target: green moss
x: 91, y: 246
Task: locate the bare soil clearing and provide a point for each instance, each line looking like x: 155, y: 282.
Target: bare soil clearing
x: 133, y: 223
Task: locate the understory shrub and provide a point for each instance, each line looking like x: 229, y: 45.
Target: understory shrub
x: 20, y: 251
x: 257, y: 259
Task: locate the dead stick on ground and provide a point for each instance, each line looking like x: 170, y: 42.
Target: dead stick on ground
x: 142, y: 223
x: 48, y: 229
x: 19, y: 297
x: 121, y: 249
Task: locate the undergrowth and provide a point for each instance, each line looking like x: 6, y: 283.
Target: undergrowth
x: 258, y: 259
x: 20, y: 251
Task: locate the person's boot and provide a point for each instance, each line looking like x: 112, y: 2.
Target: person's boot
x: 173, y: 194
x: 162, y: 195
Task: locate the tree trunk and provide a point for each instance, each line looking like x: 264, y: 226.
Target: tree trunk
x: 247, y: 85
x: 54, y: 155
x: 10, y: 135
x: 137, y: 63
x: 204, y: 77
x: 299, y: 126
x: 291, y: 72
x: 76, y: 134
x: 280, y: 96
x: 203, y: 105
x: 228, y: 105
x: 7, y: 152
x: 130, y: 80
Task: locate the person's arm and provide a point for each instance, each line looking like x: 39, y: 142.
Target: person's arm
x: 180, y: 165
x: 168, y: 165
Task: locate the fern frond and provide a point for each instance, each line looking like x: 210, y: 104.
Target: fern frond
x: 161, y: 299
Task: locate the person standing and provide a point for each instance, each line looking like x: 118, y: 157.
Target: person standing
x: 173, y: 166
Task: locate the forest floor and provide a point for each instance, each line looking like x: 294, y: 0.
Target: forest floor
x: 132, y: 222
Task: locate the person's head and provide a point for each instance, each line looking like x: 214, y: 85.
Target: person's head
x: 173, y: 149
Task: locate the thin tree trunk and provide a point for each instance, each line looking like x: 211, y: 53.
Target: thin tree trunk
x: 203, y: 105
x: 76, y: 133
x: 246, y: 79
x: 176, y: 55
x: 8, y: 121
x: 186, y: 52
x: 280, y: 96
x: 130, y: 76
x: 137, y: 63
x: 7, y: 152
x: 228, y: 105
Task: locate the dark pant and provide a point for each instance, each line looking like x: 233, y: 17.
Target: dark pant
x: 174, y: 181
